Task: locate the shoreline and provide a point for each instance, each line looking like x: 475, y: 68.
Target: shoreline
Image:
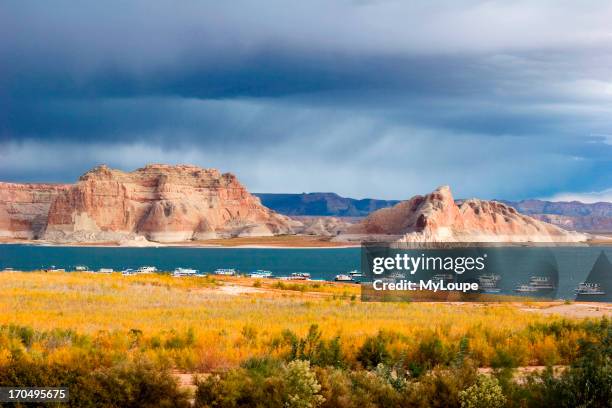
x: 186, y: 244
x: 274, y: 242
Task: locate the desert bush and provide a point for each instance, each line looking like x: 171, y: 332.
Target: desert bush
x: 396, y: 376
x: 586, y: 383
x: 261, y: 383
x: 129, y: 384
x: 314, y: 349
x: 486, y: 393
x: 374, y: 351
x: 258, y: 383
x: 302, y: 386
x: 432, y: 352
x: 441, y: 386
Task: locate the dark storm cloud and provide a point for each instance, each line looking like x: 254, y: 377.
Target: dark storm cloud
x: 496, y: 99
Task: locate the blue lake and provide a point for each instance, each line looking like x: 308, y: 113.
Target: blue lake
x: 320, y: 263
x: 568, y: 265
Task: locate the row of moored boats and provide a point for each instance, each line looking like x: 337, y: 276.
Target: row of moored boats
x: 487, y: 283
x: 537, y: 284
x: 352, y: 276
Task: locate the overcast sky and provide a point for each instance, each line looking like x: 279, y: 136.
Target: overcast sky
x: 364, y: 98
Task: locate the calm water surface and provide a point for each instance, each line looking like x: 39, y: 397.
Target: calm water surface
x: 320, y: 263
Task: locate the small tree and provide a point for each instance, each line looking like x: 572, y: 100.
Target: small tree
x: 486, y: 393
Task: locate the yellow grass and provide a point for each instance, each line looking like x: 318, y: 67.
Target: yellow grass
x: 230, y: 328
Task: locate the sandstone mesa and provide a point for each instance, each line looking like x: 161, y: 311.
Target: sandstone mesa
x: 162, y: 203
x: 436, y: 217
x: 165, y: 203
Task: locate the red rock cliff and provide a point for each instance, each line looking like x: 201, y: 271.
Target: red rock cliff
x: 160, y: 202
x: 436, y: 217
x: 24, y: 208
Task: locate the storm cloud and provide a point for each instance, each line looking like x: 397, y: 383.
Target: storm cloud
x: 364, y: 98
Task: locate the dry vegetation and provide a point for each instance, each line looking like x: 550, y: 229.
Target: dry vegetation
x: 125, y: 341
x: 215, y: 328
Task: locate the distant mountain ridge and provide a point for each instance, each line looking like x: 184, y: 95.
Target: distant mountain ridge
x: 322, y: 204
x: 567, y: 208
x: 595, y: 217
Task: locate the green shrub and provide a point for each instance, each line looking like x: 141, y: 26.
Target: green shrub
x: 314, y: 349
x: 586, y: 383
x: 261, y: 383
x: 302, y: 386
x: 432, y: 352
x: 241, y: 388
x: 374, y: 351
x: 486, y: 393
x: 441, y: 386
x: 129, y: 384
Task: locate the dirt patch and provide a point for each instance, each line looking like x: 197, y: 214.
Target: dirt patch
x: 239, y: 290
x: 577, y: 309
x: 520, y: 374
x: 283, y: 241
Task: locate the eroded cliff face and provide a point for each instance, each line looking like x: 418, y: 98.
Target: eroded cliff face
x: 436, y: 217
x: 179, y: 203
x: 160, y: 202
x: 24, y: 208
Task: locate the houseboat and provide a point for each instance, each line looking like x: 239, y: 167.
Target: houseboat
x: 178, y: 272
x: 536, y: 284
x: 589, y: 288
x: 146, y: 269
x: 225, y: 271
x: 488, y: 283
x: 442, y: 277
x: 260, y: 273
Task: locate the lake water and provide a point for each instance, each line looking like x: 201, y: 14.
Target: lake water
x: 320, y: 263
x: 567, y: 265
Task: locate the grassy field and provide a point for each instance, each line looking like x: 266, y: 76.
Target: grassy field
x: 202, y: 324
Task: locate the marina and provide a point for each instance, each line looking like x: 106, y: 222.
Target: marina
x: 311, y: 264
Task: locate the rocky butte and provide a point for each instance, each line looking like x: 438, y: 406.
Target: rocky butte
x: 24, y: 208
x: 166, y: 203
x: 436, y: 217
x: 158, y: 202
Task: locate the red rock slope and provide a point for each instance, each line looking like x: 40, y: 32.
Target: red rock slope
x: 24, y: 208
x: 436, y: 217
x: 160, y: 202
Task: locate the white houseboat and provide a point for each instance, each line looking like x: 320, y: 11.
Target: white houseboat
x: 225, y: 271
x: 178, y: 272
x: 589, y: 288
